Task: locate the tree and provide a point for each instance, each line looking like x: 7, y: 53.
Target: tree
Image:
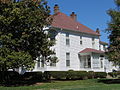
x: 22, y: 37
x: 114, y: 31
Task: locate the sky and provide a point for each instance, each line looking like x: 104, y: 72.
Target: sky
x: 91, y: 13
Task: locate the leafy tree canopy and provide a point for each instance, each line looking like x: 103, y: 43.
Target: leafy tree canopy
x: 114, y: 30
x: 22, y: 38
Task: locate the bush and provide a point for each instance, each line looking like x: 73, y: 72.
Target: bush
x: 114, y: 74
x: 38, y: 76
x: 65, y: 75
x: 9, y: 75
x: 58, y: 74
x: 71, y: 75
x: 91, y: 74
x: 100, y: 74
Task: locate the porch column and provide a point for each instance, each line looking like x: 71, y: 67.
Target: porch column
x: 91, y: 61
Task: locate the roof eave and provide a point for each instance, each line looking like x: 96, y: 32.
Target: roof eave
x: 74, y: 31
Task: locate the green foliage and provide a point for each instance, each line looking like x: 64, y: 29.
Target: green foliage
x: 22, y: 38
x: 91, y: 74
x: 100, y: 74
x: 58, y: 74
x: 77, y: 74
x: 34, y: 76
x: 66, y: 74
x: 114, y: 74
x: 114, y: 31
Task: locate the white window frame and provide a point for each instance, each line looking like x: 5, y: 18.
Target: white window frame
x: 68, y: 59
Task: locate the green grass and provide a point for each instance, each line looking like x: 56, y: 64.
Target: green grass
x: 69, y: 85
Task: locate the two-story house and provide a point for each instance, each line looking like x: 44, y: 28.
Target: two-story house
x: 77, y: 46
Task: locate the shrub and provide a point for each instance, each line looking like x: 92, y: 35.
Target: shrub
x: 83, y: 74
x: 77, y: 75
x: 91, y: 74
x: 114, y: 74
x: 65, y: 74
x: 9, y: 75
x: 100, y: 74
x: 58, y: 74
x: 55, y: 75
x: 38, y: 76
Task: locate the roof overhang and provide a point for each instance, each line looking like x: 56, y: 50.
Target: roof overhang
x: 52, y: 27
x: 90, y: 50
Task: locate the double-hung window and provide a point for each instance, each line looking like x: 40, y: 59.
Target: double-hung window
x: 93, y: 42
x: 80, y: 40
x: 67, y: 59
x: 67, y: 39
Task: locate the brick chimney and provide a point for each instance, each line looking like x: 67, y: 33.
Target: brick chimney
x: 98, y: 31
x: 56, y: 9
x: 73, y: 16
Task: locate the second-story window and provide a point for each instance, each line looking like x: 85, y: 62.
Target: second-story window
x: 93, y: 42
x: 80, y: 40
x: 99, y: 47
x: 67, y: 39
x: 104, y: 48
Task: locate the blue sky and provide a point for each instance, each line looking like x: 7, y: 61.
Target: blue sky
x: 92, y: 13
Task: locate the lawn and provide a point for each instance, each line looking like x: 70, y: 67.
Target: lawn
x: 92, y: 84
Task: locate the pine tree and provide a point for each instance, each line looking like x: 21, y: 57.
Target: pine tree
x: 114, y: 31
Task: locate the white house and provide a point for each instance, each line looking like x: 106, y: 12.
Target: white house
x: 77, y: 47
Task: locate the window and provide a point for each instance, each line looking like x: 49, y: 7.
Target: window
x: 93, y: 39
x: 42, y: 62
x: 99, y: 47
x: 38, y: 63
x: 89, y: 62
x: 67, y: 39
x: 67, y: 59
x: 67, y: 42
x: 80, y: 40
x: 104, y: 47
x: 93, y: 42
x: 67, y: 35
x: 53, y: 64
x: 101, y: 60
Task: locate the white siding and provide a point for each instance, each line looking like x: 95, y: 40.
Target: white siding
x: 74, y: 48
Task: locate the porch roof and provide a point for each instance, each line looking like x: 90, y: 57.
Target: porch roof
x: 88, y: 50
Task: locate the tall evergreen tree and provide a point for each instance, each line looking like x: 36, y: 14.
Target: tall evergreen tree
x: 22, y: 38
x: 114, y: 31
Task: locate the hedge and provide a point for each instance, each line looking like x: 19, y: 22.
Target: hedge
x: 114, y: 74
x: 100, y: 74
x: 38, y: 76
x: 66, y: 74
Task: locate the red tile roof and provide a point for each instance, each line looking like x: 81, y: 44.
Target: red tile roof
x: 60, y: 20
x: 87, y: 50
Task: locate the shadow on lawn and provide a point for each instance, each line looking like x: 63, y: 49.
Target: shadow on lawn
x: 16, y: 83
x: 110, y: 81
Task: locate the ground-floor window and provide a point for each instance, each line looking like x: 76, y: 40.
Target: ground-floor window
x: 101, y: 60
x: 67, y: 59
x: 53, y: 64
